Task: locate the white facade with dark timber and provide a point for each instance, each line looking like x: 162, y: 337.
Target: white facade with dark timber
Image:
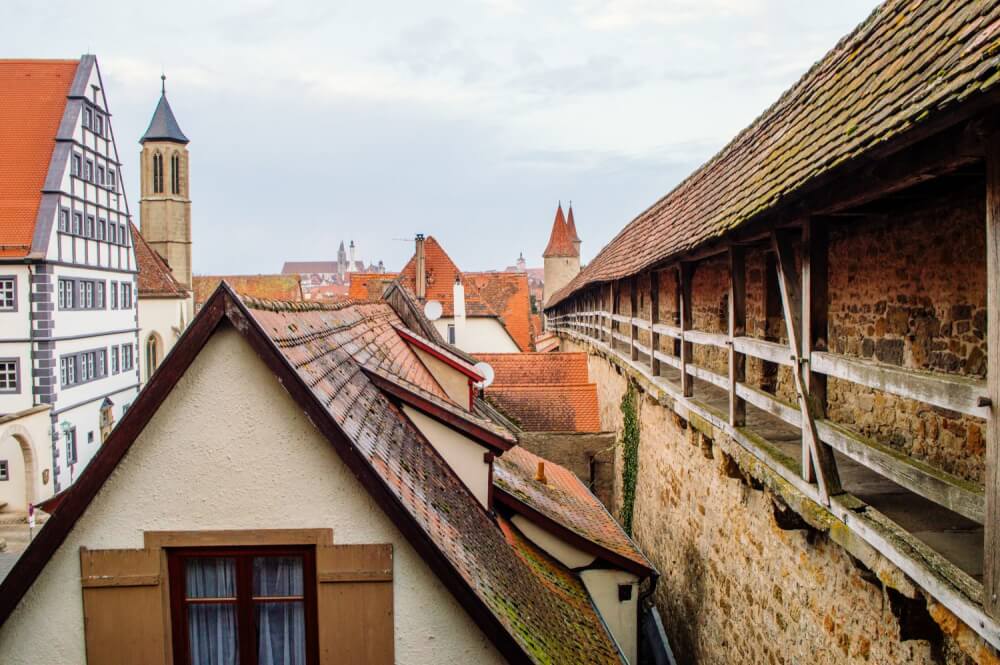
x: 73, y: 329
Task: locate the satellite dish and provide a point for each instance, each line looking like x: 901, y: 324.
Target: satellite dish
x: 484, y: 370
x: 433, y: 310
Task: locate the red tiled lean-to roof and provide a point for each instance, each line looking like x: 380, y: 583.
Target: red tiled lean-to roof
x: 909, y: 63
x: 155, y: 278
x: 32, y: 106
x: 530, y: 607
x: 563, y: 499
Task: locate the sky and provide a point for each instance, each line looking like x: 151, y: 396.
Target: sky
x: 313, y: 121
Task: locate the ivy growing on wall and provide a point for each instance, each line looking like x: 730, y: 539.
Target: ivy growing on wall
x: 630, y: 454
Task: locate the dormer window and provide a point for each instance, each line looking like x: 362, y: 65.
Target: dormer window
x: 157, y: 173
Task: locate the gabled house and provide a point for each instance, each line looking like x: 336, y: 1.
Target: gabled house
x: 313, y: 483
x: 481, y: 312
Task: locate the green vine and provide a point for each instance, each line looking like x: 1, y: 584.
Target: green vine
x: 630, y: 455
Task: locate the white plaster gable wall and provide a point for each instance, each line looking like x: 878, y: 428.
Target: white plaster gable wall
x: 229, y: 449
x: 167, y: 317
x: 483, y: 334
x: 621, y: 616
x: 463, y: 455
x: 454, y: 383
x: 566, y: 554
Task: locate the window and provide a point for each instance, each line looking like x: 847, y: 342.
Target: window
x: 451, y: 334
x: 102, y: 363
x: 82, y: 367
x: 66, y: 294
x: 122, y: 235
x: 127, y: 351
x: 88, y: 170
x: 113, y: 233
x: 8, y: 375
x: 99, y: 124
x: 152, y: 356
x: 112, y: 181
x: 102, y: 227
x: 90, y: 436
x: 88, y: 117
x: 157, y: 173
x: 100, y: 175
x: 175, y: 174
x: 4, y: 470
x: 77, y: 223
x: 8, y: 293
x: 88, y: 295
x: 64, y: 219
x: 239, y: 605
x: 88, y: 230
x: 99, y: 296
x: 126, y: 295
x: 81, y: 294
x: 76, y: 165
x: 71, y: 457
x: 114, y: 359
x: 114, y: 295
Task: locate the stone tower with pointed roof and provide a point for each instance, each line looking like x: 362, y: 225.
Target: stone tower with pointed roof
x: 571, y: 225
x: 562, y: 256
x: 165, y: 204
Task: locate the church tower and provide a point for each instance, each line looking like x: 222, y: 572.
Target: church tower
x: 165, y: 204
x: 562, y: 256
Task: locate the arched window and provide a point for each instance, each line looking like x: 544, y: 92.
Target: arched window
x: 152, y: 355
x: 175, y: 174
x: 157, y: 173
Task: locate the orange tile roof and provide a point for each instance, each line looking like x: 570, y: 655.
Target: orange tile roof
x: 537, y: 368
x: 564, y: 499
x: 506, y: 293
x: 155, y: 278
x: 552, y: 408
x: 34, y: 98
x: 269, y: 287
x: 560, y: 240
x: 369, y: 285
x: 571, y: 224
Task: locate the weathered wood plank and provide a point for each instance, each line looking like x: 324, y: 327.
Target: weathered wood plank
x: 991, y: 542
x: 759, y: 348
x: 706, y: 338
x: 667, y: 330
x: 737, y: 328
x: 827, y: 479
x: 654, y: 318
x: 814, y: 319
x: 947, y: 391
x: 685, y: 273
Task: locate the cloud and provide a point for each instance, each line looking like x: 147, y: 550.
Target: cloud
x: 598, y: 74
x: 621, y: 14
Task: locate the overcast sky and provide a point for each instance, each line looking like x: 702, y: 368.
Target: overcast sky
x: 316, y: 121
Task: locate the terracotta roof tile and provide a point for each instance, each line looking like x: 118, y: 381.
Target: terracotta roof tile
x: 561, y: 239
x: 268, y: 287
x: 571, y: 224
x: 369, y: 285
x: 155, y: 278
x: 537, y: 368
x: 564, y: 500
x: 507, y: 294
x: 908, y: 63
x: 34, y: 99
x: 329, y: 345
x: 552, y: 408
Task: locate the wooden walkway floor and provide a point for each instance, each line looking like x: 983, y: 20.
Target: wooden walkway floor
x: 955, y: 537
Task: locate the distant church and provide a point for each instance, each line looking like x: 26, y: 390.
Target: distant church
x: 330, y: 279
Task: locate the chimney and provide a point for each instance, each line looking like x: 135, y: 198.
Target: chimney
x: 421, y: 286
x: 540, y: 473
x: 459, y: 306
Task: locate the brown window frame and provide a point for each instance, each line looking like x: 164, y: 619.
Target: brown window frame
x: 245, y: 616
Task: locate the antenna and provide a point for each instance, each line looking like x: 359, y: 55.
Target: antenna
x: 486, y: 371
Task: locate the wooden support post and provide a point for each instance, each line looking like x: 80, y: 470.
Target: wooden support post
x: 633, y: 309
x: 685, y: 273
x: 615, y: 310
x: 654, y: 318
x: 815, y: 304
x: 737, y: 328
x: 991, y: 542
x: 825, y: 466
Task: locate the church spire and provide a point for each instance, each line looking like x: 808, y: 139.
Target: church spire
x: 560, y: 240
x: 163, y: 126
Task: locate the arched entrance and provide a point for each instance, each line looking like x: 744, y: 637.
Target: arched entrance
x: 16, y: 450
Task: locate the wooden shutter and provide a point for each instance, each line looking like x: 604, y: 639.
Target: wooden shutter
x: 355, y: 604
x: 123, y: 607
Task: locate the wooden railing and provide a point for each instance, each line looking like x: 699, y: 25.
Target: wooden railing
x: 959, y: 394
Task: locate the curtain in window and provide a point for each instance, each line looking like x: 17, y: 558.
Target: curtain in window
x: 212, y: 625
x: 280, y: 610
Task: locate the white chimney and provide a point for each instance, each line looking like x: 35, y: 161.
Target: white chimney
x: 459, y: 298
x: 421, y: 285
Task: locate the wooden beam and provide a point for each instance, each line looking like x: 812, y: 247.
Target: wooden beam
x: 991, y: 542
x: 654, y: 318
x: 633, y: 330
x: 737, y: 328
x: 815, y: 306
x: 827, y: 478
x: 685, y: 273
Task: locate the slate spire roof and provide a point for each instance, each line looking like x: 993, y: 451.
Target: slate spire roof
x: 561, y: 238
x: 163, y: 126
